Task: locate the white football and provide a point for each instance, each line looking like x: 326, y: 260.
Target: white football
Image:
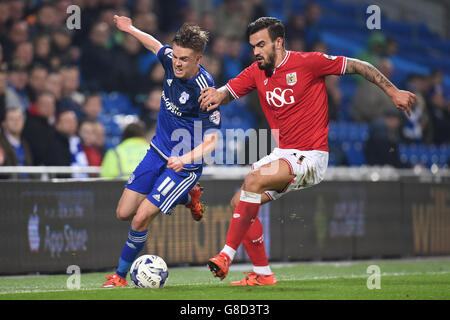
x: 149, y: 271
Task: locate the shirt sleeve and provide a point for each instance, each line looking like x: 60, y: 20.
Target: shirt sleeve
x: 210, y: 119
x: 165, y: 56
x: 323, y: 64
x: 243, y: 83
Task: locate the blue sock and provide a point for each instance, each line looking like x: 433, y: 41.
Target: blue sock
x: 135, y: 243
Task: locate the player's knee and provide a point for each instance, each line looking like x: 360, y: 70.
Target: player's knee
x: 140, y: 222
x: 122, y: 214
x: 142, y: 219
x: 233, y: 203
x: 252, y: 182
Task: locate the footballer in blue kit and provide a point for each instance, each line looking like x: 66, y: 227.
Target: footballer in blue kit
x: 169, y: 172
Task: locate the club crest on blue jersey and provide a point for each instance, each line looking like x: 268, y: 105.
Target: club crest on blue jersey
x: 184, y: 97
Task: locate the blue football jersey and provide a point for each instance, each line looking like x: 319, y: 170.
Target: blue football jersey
x: 181, y: 122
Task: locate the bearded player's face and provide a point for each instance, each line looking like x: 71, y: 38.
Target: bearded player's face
x: 263, y: 49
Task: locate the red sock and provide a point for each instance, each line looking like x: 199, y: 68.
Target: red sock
x: 244, y: 214
x: 254, y: 244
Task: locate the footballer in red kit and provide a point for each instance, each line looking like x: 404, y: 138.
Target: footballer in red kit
x: 292, y: 93
x: 293, y: 96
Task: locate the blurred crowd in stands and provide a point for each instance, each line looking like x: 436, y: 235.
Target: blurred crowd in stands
x: 52, y: 79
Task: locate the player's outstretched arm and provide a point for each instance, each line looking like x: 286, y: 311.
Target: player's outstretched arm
x: 402, y: 99
x: 211, y: 98
x: 208, y: 145
x: 126, y: 25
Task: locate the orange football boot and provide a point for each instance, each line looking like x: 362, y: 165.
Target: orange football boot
x: 196, y: 206
x: 219, y: 265
x: 254, y: 279
x: 114, y: 281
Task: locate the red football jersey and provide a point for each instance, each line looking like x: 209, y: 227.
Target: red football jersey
x: 293, y: 97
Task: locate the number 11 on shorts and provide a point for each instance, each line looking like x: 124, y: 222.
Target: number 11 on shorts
x: 166, y: 186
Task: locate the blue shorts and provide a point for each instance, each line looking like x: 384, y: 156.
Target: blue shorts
x: 165, y: 188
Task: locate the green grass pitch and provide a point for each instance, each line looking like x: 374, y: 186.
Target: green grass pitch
x: 424, y: 279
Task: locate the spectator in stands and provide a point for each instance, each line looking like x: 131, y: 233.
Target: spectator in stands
x: 375, y: 50
x: 92, y: 107
x: 150, y: 108
x: 89, y: 142
x: 71, y: 84
x: 207, y: 21
x: 296, y: 25
x: 233, y: 59
x: 391, y: 47
x: 17, y: 82
x: 200, y: 7
x: 141, y: 6
x: 18, y: 33
x: 24, y: 52
x: 62, y: 48
x: 37, y: 80
x: 230, y: 20
x: 312, y: 31
x: 417, y: 128
x: 15, y: 150
x: 54, y: 84
x: 121, y: 161
x: 384, y: 138
x: 147, y: 21
x: 46, y: 20
x: 4, y: 19
x: 156, y: 76
x: 219, y: 46
x: 370, y: 102
x: 58, y: 151
x: 3, y: 91
x: 42, y: 50
x: 296, y: 44
x: 96, y: 59
x: 215, y: 67
x: 67, y: 125
x: 439, y: 108
x: 99, y: 140
x: 39, y: 130
x: 126, y: 71
x: 253, y: 9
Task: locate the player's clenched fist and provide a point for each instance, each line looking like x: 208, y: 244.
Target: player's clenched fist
x: 175, y: 163
x: 122, y: 23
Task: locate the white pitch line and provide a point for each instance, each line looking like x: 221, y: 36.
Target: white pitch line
x: 353, y: 276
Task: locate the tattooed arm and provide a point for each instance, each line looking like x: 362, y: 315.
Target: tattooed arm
x: 402, y: 99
